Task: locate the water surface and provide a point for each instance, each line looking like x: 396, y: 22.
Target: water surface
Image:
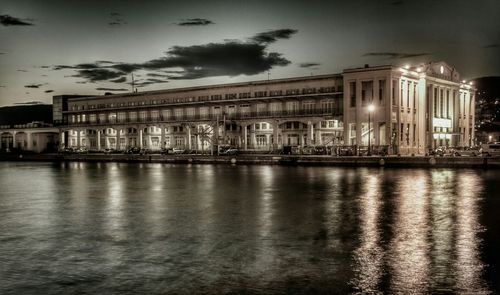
x: 114, y: 228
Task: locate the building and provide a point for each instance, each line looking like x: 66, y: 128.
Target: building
x: 28, y: 128
x: 414, y: 109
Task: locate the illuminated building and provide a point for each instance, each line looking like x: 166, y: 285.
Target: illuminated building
x: 416, y: 108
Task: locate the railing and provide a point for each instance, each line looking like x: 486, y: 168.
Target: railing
x: 211, y: 117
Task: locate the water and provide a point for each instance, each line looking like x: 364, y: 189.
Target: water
x: 114, y: 228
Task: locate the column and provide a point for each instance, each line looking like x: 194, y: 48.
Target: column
x: 140, y: 137
x: 61, y: 134
x: 244, y: 129
x: 78, y: 143
x: 276, y: 128
x: 29, y: 141
x: 98, y: 139
x: 252, y: 136
x: 162, y: 136
x: 105, y: 136
x: 319, y: 140
x: 310, y: 135
x: 118, y: 133
x: 188, y: 136
x: 14, y: 144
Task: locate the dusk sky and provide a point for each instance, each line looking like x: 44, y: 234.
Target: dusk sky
x: 91, y: 47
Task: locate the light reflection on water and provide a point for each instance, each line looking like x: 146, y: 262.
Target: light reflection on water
x: 155, y: 228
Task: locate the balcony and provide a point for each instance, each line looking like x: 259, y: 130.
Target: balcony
x: 329, y: 112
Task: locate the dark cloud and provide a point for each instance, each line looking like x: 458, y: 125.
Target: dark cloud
x: 309, y: 65
x: 115, y: 14
x: 230, y: 58
x: 117, y: 22
x: 491, y: 46
x: 2, y: 53
x: 24, y: 71
x: 2, y: 86
x: 195, y: 22
x: 395, y: 54
x: 93, y: 75
x: 119, y: 80
x: 150, y: 81
x: 29, y: 102
x: 161, y: 75
x: 273, y: 36
x: 8, y: 20
x: 49, y: 91
x: 45, y: 67
x: 111, y: 89
x: 33, y: 85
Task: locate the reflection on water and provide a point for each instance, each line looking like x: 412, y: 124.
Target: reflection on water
x: 155, y: 228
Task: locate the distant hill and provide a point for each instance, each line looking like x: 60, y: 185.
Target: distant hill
x: 25, y: 114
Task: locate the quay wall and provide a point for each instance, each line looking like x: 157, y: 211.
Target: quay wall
x: 292, y: 160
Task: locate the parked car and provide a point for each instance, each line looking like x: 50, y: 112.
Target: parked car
x: 133, y: 150
x: 229, y: 151
x: 165, y: 151
x: 490, y: 149
x: 177, y: 150
x: 81, y: 150
x: 467, y: 151
x: 109, y: 151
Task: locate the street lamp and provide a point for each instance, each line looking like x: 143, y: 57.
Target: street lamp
x: 371, y: 108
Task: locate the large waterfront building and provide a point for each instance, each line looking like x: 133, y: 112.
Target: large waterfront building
x: 404, y: 110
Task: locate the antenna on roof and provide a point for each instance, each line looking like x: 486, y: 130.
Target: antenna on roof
x: 268, y: 74
x: 132, y: 82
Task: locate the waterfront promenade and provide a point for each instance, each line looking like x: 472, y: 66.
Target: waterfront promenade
x: 267, y: 159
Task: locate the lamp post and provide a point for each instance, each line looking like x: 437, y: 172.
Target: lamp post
x: 371, y: 108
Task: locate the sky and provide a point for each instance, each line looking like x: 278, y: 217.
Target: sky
x: 55, y: 47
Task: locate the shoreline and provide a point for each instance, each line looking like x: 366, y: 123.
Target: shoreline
x: 265, y: 159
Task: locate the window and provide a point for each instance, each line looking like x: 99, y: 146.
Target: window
x: 190, y: 112
x: 143, y: 115
x: 441, y: 102
x: 381, y: 90
x: 408, y: 94
x: 352, y: 94
x: 178, y: 113
x: 401, y: 94
x: 203, y: 112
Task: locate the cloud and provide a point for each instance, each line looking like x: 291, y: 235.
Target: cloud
x: 2, y: 53
x: 491, y: 46
x: 33, y: 85
x: 228, y: 58
x: 2, y: 86
x: 22, y: 70
x: 97, y: 74
x: 273, y: 36
x: 195, y: 22
x: 111, y: 89
x: 8, y: 20
x: 393, y: 55
x: 117, y: 22
x: 119, y: 80
x: 309, y: 65
x: 161, y: 75
x: 29, y: 102
x: 49, y: 91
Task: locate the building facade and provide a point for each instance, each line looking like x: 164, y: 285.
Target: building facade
x: 414, y: 109
x: 34, y: 137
